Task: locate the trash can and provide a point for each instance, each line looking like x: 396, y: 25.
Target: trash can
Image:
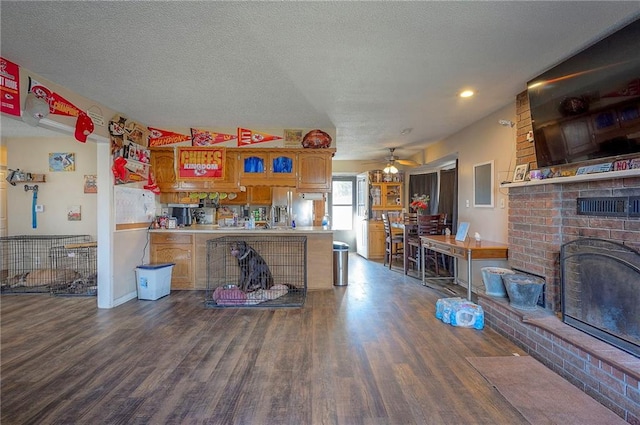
x: 154, y: 280
x: 340, y: 263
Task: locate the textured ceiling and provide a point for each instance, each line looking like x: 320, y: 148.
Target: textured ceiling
x: 369, y: 69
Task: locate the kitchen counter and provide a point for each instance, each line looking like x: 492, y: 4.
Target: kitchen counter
x: 214, y: 228
x: 187, y: 247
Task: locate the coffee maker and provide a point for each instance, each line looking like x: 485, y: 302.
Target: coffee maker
x: 183, y: 213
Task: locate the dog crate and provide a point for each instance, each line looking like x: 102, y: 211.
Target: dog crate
x: 272, y: 272
x: 27, y: 263
x: 82, y: 258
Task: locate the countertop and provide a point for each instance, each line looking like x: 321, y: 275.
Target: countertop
x: 213, y: 228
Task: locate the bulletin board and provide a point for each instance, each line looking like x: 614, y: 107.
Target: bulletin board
x: 135, y: 208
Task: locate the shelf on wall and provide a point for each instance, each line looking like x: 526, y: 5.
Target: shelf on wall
x: 577, y: 178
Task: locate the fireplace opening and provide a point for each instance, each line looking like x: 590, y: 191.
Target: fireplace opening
x: 600, y: 289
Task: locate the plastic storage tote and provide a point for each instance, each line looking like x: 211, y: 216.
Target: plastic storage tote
x: 154, y: 280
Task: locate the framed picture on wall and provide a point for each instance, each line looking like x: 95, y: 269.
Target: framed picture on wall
x: 520, y: 172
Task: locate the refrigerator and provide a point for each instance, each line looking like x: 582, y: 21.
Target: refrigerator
x: 298, y: 206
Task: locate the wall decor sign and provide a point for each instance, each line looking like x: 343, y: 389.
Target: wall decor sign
x: 74, y: 213
x: 90, y: 184
x: 292, y: 138
x: 208, y: 138
x: 202, y: 163
x: 248, y: 137
x: 62, y: 161
x: 10, y: 87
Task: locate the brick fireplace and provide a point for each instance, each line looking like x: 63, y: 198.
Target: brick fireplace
x: 542, y: 217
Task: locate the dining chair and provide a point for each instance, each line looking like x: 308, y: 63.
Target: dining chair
x: 393, y: 243
x: 426, y: 225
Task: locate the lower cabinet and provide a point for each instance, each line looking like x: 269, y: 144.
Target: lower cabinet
x: 175, y: 248
x: 371, y: 240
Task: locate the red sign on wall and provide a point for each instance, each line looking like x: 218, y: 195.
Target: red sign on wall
x: 200, y: 163
x: 10, y: 87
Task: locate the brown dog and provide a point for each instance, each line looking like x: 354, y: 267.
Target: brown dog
x: 254, y: 271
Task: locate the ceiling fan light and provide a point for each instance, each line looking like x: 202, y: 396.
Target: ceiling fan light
x: 390, y: 169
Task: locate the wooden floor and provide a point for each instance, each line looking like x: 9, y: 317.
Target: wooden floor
x: 371, y: 352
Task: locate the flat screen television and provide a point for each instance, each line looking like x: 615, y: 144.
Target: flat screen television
x: 588, y: 107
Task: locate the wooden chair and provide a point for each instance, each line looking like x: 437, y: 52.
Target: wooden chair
x: 410, y: 238
x: 426, y: 225
x: 393, y: 244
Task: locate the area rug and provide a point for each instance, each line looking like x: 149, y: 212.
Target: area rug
x: 541, y: 395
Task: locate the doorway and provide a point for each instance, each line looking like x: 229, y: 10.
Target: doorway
x: 342, y: 209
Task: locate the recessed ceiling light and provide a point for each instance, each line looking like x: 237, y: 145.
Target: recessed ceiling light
x: 466, y: 93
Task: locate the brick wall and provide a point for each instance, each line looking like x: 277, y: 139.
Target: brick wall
x: 541, y: 219
x: 607, y: 374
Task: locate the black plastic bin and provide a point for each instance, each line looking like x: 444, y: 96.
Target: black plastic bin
x: 340, y: 263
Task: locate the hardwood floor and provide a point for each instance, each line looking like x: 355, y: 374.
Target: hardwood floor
x: 371, y: 352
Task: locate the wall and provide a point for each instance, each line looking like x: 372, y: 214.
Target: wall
x: 61, y: 189
x: 483, y: 141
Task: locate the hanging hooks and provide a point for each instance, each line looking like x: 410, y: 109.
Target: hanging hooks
x: 28, y: 188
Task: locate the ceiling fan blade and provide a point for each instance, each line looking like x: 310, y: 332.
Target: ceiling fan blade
x: 408, y: 162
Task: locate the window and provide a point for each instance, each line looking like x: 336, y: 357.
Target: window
x: 342, y: 205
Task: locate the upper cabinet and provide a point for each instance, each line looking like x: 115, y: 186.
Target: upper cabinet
x: 386, y: 196
x: 314, y: 170
x: 308, y: 170
x: 273, y: 167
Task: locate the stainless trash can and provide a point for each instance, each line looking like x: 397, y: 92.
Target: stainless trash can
x: 340, y: 263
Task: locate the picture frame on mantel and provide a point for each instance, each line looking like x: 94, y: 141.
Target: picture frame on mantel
x: 520, y: 172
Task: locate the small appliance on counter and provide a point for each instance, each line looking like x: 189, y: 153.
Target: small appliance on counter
x: 183, y: 213
x: 204, y: 215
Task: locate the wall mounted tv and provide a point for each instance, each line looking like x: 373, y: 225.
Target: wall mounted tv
x: 588, y: 107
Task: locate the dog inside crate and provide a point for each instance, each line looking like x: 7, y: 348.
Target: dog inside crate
x: 251, y: 271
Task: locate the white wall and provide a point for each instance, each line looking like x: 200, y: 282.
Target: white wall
x: 61, y: 189
x: 483, y: 141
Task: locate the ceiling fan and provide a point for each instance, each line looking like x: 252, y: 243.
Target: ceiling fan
x: 392, y: 160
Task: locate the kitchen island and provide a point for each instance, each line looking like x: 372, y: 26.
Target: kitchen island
x: 187, y: 248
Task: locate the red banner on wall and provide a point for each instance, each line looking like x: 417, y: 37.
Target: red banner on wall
x: 200, y: 163
x: 208, y: 138
x: 10, y: 87
x: 159, y: 137
x: 249, y: 137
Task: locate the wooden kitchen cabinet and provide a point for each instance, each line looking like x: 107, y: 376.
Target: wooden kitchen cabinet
x: 314, y: 170
x: 386, y: 196
x: 175, y: 248
x: 274, y: 167
x: 163, y: 166
x: 376, y: 242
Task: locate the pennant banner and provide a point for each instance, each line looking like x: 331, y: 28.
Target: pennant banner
x: 57, y: 104
x: 249, y: 137
x: 631, y: 89
x: 159, y: 137
x: 10, y: 87
x: 208, y: 138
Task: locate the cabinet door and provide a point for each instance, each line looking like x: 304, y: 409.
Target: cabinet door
x: 392, y: 196
x: 376, y: 240
x: 229, y: 182
x: 163, y: 166
x: 282, y: 169
x: 314, y: 171
x: 259, y: 195
x: 252, y: 168
x: 605, y: 121
x: 178, y: 249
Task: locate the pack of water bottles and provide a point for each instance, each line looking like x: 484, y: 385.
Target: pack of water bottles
x: 459, y: 312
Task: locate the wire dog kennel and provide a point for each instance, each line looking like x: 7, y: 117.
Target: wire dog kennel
x: 56, y: 264
x: 259, y: 271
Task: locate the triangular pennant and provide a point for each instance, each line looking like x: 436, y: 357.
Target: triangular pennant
x: 159, y: 137
x: 208, y: 138
x: 249, y: 137
x: 57, y: 104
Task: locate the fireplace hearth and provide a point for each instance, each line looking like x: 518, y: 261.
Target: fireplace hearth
x: 600, y: 289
